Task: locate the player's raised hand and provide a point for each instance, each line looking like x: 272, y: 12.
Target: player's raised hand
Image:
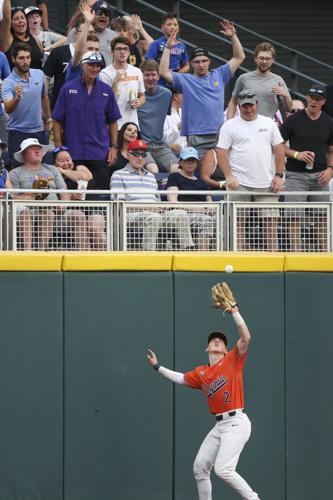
x: 228, y: 28
x: 152, y: 357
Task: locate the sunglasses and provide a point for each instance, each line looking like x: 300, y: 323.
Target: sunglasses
x: 100, y: 12
x: 295, y: 110
x: 138, y: 154
x: 247, y: 95
x: 60, y: 148
x: 316, y: 92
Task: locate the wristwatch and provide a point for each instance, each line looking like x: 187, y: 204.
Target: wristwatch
x: 278, y: 174
x: 114, y: 146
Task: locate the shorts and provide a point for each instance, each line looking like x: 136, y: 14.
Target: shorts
x: 202, y: 143
x: 268, y: 198
x: 304, y: 181
x: 163, y: 156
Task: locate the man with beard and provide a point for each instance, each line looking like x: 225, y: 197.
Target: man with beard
x: 26, y: 101
x: 269, y: 88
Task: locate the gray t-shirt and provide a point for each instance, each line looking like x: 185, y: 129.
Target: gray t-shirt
x: 261, y: 85
x: 23, y: 178
x: 152, y: 114
x: 105, y: 39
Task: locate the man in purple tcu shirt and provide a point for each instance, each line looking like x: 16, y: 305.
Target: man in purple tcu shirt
x: 85, y: 120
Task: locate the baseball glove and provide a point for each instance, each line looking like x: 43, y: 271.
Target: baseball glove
x: 41, y: 183
x: 222, y: 297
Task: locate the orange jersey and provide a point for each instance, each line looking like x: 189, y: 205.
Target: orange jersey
x: 222, y: 383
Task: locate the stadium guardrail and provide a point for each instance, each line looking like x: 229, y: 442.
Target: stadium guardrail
x: 223, y: 224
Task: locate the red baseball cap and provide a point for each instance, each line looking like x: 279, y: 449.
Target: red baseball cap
x: 137, y: 144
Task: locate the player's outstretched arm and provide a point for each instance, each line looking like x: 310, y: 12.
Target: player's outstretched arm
x: 176, y: 377
x: 243, y: 331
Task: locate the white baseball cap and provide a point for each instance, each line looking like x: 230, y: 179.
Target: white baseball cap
x: 27, y: 143
x: 92, y: 57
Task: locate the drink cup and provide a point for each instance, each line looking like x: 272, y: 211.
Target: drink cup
x: 309, y: 165
x: 132, y: 96
x: 81, y: 184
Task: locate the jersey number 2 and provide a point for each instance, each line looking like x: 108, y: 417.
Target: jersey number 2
x: 226, y: 397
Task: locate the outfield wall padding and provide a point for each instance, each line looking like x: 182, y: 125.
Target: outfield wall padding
x: 83, y: 415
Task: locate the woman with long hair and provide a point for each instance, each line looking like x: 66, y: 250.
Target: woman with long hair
x: 14, y: 28
x: 129, y: 132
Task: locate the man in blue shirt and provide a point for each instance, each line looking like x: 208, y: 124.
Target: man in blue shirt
x: 85, y: 120
x: 4, y: 72
x: 152, y: 117
x: 26, y: 101
x: 203, y: 91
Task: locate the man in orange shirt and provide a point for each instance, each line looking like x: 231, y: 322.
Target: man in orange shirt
x: 222, y: 384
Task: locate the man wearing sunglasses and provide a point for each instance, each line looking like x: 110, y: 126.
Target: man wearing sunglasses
x: 103, y: 14
x: 309, y: 163
x: 270, y: 88
x: 244, y: 153
x: 134, y: 183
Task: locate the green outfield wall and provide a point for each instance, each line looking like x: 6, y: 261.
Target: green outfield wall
x: 83, y: 415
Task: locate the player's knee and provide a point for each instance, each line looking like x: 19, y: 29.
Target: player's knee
x: 225, y: 473
x: 201, y: 469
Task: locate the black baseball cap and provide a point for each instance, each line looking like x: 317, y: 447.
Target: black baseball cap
x: 318, y: 90
x: 217, y: 335
x: 103, y: 6
x: 199, y: 51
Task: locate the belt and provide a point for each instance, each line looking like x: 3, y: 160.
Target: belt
x: 227, y: 414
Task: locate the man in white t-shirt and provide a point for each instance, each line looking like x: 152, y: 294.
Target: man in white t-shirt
x: 126, y: 81
x: 244, y: 151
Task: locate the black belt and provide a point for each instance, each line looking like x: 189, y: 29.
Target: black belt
x: 230, y: 414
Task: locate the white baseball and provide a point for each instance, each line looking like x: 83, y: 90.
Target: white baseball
x: 229, y: 268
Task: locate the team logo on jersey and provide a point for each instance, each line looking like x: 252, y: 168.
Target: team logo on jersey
x: 214, y: 387
x: 216, y: 83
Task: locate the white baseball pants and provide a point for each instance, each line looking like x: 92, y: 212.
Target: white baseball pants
x: 221, y: 449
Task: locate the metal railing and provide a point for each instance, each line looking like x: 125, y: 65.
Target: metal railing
x: 296, y: 57
x: 162, y: 226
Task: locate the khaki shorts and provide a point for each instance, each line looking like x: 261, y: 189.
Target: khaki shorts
x: 270, y: 197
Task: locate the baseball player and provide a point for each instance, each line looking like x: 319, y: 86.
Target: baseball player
x: 222, y: 384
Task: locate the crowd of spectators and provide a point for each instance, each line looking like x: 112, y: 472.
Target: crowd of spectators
x: 118, y: 108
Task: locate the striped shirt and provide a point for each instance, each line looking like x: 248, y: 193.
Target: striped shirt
x: 130, y: 185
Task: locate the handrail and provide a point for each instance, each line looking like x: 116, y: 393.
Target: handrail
x: 107, y: 192
x: 258, y: 35
x: 293, y: 71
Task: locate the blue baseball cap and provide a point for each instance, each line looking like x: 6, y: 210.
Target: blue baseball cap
x: 187, y: 153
